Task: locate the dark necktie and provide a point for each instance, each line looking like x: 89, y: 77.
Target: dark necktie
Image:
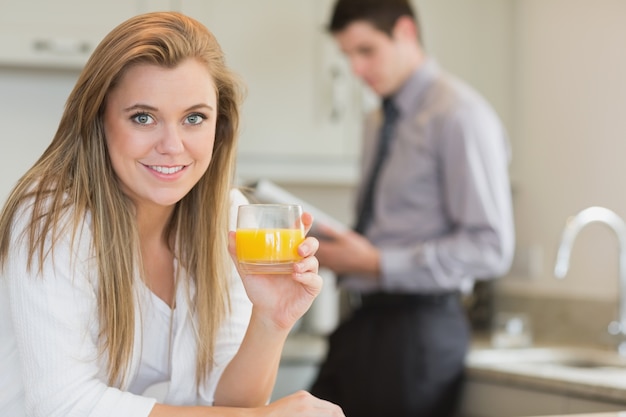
x: 366, y: 211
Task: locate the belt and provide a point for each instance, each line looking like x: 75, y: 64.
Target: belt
x: 383, y: 299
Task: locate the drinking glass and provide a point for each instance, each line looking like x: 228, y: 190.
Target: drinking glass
x: 268, y: 236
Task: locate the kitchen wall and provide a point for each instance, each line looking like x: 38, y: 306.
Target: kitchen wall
x: 554, y: 70
x: 569, y: 140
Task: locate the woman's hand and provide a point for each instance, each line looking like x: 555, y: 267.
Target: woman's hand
x: 299, y: 404
x: 280, y: 300
x: 302, y: 404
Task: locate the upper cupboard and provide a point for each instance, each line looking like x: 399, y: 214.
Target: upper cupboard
x: 301, y: 119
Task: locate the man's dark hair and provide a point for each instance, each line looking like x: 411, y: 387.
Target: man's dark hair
x: 382, y: 14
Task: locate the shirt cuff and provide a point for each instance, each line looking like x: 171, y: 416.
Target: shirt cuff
x: 405, y: 270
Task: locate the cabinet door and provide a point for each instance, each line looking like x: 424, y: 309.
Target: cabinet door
x: 484, y: 399
x: 578, y: 405
x: 61, y: 33
x: 302, y: 115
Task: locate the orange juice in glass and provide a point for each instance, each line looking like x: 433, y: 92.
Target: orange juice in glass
x: 268, y: 236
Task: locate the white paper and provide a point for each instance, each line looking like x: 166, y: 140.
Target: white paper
x: 267, y: 192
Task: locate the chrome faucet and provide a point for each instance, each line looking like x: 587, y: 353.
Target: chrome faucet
x: 572, y: 227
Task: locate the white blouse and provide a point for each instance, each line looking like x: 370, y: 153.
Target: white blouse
x: 49, y: 331
x: 159, y: 325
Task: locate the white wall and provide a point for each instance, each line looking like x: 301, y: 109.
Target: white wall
x: 570, y: 137
x: 474, y: 40
x: 555, y: 70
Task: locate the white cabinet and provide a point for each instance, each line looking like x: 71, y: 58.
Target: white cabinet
x: 302, y: 118
x: 482, y: 398
x: 575, y: 405
x: 61, y: 33
x: 487, y: 399
x: 302, y: 115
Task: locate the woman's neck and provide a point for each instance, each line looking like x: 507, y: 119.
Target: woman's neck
x: 156, y: 253
x: 152, y: 222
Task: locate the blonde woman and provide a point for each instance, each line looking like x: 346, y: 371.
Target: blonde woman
x: 114, y: 247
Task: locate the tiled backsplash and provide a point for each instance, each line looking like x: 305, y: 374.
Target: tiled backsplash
x: 563, y: 321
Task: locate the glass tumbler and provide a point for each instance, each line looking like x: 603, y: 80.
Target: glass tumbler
x: 268, y: 236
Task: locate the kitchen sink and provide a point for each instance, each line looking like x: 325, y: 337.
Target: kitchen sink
x: 586, y: 363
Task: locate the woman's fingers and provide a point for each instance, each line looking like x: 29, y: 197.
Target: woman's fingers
x: 307, y: 222
x: 231, y: 242
x: 308, y: 247
x: 304, y: 404
x: 308, y: 264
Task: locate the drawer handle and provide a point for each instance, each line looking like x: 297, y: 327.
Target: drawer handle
x: 60, y: 46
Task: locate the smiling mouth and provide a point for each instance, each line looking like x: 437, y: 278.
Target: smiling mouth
x: 166, y: 170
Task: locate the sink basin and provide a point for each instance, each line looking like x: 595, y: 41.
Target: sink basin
x: 561, y: 357
x: 587, y: 363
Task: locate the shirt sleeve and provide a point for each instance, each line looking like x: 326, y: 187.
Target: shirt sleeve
x: 54, y: 320
x: 473, y: 158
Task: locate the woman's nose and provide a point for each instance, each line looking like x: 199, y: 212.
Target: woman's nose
x: 171, y: 142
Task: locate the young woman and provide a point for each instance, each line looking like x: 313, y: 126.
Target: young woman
x: 114, y: 247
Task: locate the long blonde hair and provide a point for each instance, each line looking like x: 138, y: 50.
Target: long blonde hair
x: 74, y: 178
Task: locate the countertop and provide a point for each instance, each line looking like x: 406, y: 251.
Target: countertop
x: 549, y: 368
x: 596, y: 374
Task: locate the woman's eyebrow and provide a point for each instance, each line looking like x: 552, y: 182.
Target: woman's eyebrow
x: 200, y: 106
x: 140, y: 106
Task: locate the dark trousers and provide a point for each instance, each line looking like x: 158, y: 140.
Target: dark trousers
x: 397, y: 356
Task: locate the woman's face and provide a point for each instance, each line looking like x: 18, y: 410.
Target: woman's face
x: 160, y: 130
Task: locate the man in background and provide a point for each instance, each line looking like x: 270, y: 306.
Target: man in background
x: 433, y: 215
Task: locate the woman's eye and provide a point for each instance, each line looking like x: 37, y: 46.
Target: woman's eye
x: 195, y: 118
x: 143, y: 118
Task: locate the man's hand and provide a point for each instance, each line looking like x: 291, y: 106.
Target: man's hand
x: 347, y: 252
